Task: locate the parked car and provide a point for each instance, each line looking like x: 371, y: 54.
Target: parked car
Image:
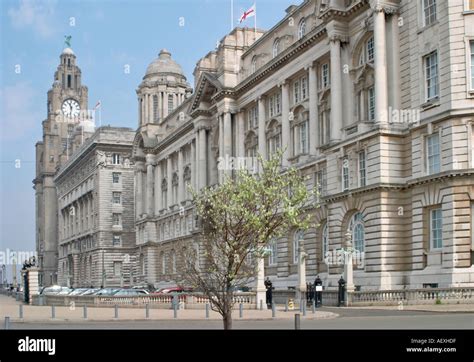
x: 79, y: 291
x: 55, y: 290
x: 107, y: 291
x: 173, y: 290
x: 130, y: 292
x: 91, y: 291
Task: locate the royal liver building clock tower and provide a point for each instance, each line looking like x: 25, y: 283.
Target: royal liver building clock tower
x: 66, y: 105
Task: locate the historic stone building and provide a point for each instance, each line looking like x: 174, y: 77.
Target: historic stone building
x: 96, y: 212
x: 84, y: 190
x: 374, y: 100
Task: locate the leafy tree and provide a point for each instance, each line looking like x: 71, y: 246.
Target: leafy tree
x: 238, y: 218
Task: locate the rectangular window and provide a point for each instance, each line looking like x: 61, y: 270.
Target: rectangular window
x: 304, y: 88
x: 117, y: 198
x: 170, y: 103
x: 296, y: 92
x: 371, y: 108
x: 116, y: 177
x: 370, y: 50
x: 116, y: 159
x: 345, y: 174
x: 304, y: 137
x: 272, y: 257
x: 321, y: 182
x: 471, y: 43
x: 325, y: 75
x: 117, y: 268
x: 116, y: 240
x: 431, y: 76
x: 433, y: 154
x: 436, y: 229
x: 429, y: 12
x: 116, y: 219
x: 362, y: 169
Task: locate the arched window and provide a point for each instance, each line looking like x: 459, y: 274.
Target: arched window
x: 276, y: 48
x: 273, y: 138
x: 356, y: 226
x: 367, y: 53
x: 298, y: 239
x: 301, y: 29
x: 253, y: 66
x: 325, y: 240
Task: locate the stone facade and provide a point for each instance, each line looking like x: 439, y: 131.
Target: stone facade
x: 373, y: 100
x: 96, y: 212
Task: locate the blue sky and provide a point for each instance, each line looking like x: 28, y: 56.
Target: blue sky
x: 107, y: 35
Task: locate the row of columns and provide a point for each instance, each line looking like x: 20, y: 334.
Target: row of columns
x: 78, y: 217
x: 146, y: 105
x: 149, y: 198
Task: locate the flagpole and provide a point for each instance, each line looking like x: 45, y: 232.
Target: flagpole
x: 255, y: 20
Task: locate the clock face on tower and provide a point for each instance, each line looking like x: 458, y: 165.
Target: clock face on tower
x: 70, y: 108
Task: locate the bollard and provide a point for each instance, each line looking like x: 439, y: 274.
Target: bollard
x: 116, y: 311
x: 207, y: 310
x: 273, y: 310
x: 7, y: 322
x: 297, y: 321
x: 21, y: 311
x: 286, y: 305
x: 17, y: 296
x: 241, y: 310
x: 313, y: 307
x: 53, y: 312
x: 261, y: 304
x: 175, y: 311
x: 147, y: 311
x: 304, y: 309
x: 84, y: 311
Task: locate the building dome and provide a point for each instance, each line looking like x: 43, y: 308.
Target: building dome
x: 164, y: 64
x: 68, y: 51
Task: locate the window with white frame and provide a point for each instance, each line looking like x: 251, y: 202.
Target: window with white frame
x: 117, y: 268
x: 170, y: 103
x: 303, y: 136
x: 362, y: 169
x: 252, y: 118
x: 304, y: 88
x: 296, y: 91
x: 298, y: 239
x: 276, y: 48
x: 274, y: 104
x: 357, y: 228
x: 273, y: 252
x: 116, y: 240
x: 345, y: 174
x: 367, y: 54
x: 433, y: 154
x: 436, y: 228
x: 471, y: 47
x: 325, y: 75
x: 429, y: 12
x: 431, y: 76
x: 371, y: 105
x: 325, y: 241
x: 117, y: 198
x: 301, y: 29
x: 116, y: 159
x: 117, y: 219
x: 116, y: 177
x: 321, y: 181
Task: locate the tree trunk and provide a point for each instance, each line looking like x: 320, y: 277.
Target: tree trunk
x: 227, y: 319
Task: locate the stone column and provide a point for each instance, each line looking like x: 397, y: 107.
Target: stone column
x: 140, y: 118
x: 196, y: 160
x: 202, y: 158
x: 139, y: 189
x: 150, y: 163
x: 285, y: 121
x: 170, y: 183
x: 336, y: 89
x: 313, y: 109
x: 262, y: 141
x: 240, y: 119
x: 180, y: 177
x: 165, y: 104
x: 142, y: 109
x: 158, y: 178
x: 193, y: 164
x: 395, y: 77
x: 150, y: 104
x: 227, y: 144
x: 146, y: 107
x: 380, y: 64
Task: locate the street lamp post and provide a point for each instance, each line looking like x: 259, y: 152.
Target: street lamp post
x: 348, y: 267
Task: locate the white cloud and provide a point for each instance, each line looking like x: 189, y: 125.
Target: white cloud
x: 35, y: 14
x: 18, y: 112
